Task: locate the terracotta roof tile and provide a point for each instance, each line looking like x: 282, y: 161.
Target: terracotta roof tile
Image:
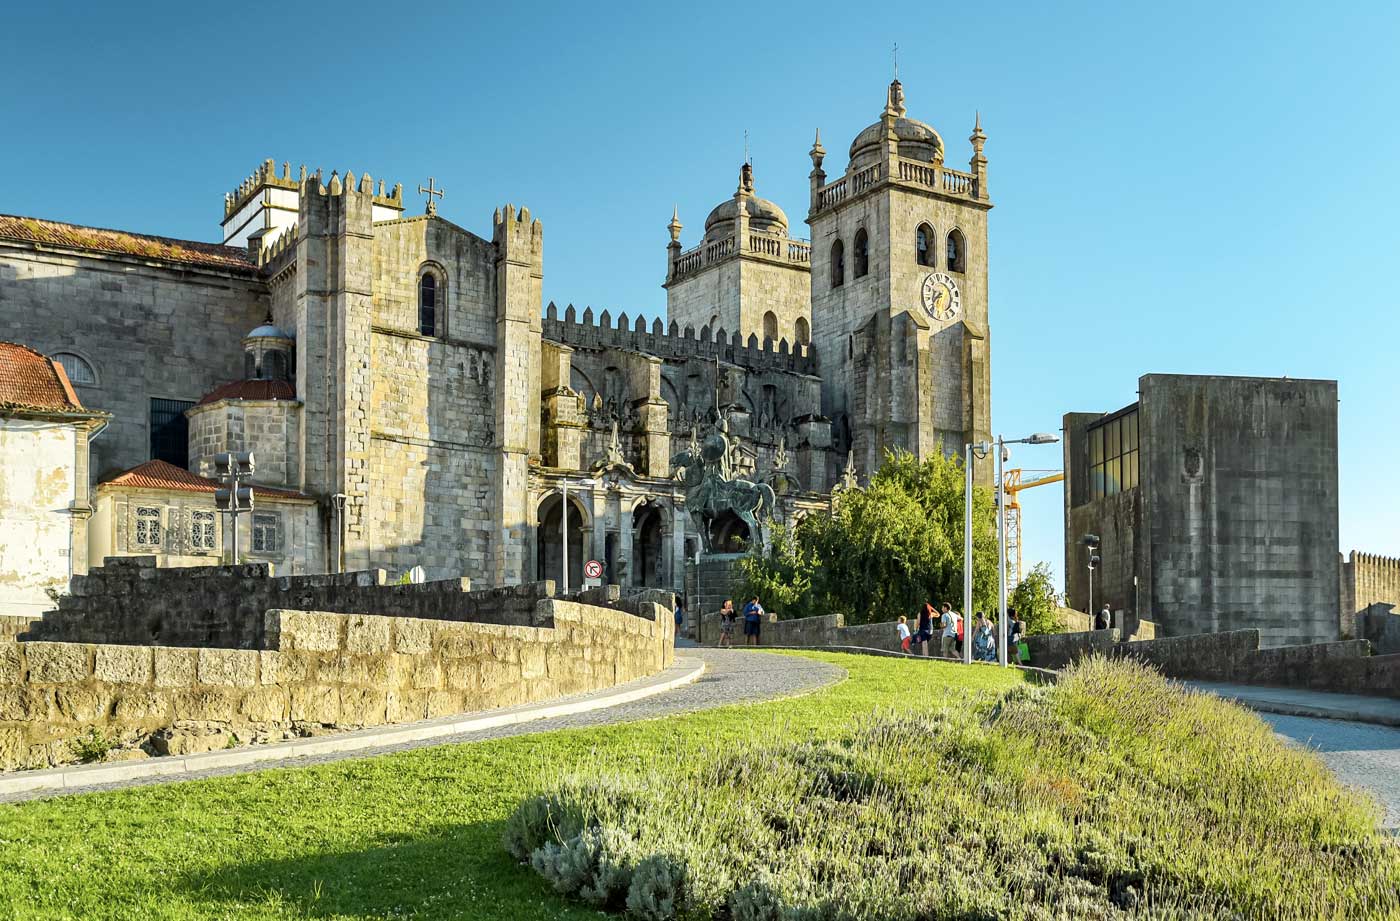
x: 76, y: 236
x: 250, y: 390
x: 30, y: 380
x: 159, y: 474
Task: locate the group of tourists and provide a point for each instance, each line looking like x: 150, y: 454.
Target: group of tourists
x: 947, y: 625
x: 753, y: 616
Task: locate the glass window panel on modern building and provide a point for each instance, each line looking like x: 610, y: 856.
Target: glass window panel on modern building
x: 1113, y: 456
x: 267, y: 533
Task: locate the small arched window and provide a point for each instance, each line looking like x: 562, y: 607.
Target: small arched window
x: 862, y: 253
x: 838, y: 264
x: 803, y: 331
x: 770, y: 326
x: 427, y: 304
x: 923, y: 245
x: 76, y: 367
x: 957, y: 254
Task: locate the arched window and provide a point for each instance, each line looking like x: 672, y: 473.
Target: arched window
x: 838, y: 264
x: 427, y: 304
x: 862, y: 265
x: 770, y: 326
x: 76, y: 367
x: 803, y: 331
x: 957, y: 254
x: 923, y: 245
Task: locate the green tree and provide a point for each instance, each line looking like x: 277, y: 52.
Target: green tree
x: 886, y: 549
x: 1034, y: 600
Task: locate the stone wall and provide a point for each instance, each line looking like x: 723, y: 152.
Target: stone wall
x: 1235, y: 656
x: 130, y: 601
x: 1367, y: 580
x: 1380, y: 625
x: 38, y: 487
x: 319, y: 671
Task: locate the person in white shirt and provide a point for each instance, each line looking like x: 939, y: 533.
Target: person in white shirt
x: 903, y: 633
x: 949, y: 623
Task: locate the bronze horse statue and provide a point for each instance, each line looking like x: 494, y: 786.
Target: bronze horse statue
x: 709, y: 491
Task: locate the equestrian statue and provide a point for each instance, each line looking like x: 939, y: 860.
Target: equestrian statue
x: 711, y: 490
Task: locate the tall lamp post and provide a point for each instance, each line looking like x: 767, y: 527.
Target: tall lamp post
x: 1091, y: 544
x: 979, y: 450
x: 1039, y: 438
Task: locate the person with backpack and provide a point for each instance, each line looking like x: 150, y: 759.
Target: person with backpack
x: 753, y: 621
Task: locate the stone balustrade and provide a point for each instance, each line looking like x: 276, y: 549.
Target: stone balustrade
x: 772, y: 247
x: 934, y: 176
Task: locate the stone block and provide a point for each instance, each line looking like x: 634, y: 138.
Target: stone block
x: 532, y: 662
x: 57, y: 663
x: 204, y: 704
x: 313, y: 704
x: 426, y: 674
x: 310, y: 631
x: 412, y: 636
x: 462, y: 675
x: 189, y: 741
x: 406, y: 706
x: 13, y: 748
x: 365, y: 633
x: 456, y: 643
x: 266, y: 705
x: 82, y: 705
x: 445, y: 703
x: 362, y: 707
x: 138, y: 706
x: 123, y: 664
x: 497, y: 675
x: 11, y: 663
x: 370, y: 670
x: 23, y: 704
x: 174, y: 668
x: 231, y: 667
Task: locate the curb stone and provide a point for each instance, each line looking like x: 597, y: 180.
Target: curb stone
x: 685, y: 670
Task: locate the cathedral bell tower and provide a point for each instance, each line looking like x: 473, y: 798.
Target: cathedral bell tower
x: 899, y: 293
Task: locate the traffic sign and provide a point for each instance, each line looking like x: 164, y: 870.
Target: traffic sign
x: 593, y: 570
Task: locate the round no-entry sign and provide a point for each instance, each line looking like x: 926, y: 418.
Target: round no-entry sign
x: 593, y: 569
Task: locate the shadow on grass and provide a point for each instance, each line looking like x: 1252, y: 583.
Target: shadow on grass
x: 452, y: 871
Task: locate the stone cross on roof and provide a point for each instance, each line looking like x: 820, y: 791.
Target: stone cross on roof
x: 430, y: 192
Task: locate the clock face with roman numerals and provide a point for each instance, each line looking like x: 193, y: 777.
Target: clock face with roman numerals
x: 942, y: 299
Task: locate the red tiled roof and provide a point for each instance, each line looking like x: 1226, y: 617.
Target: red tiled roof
x: 159, y: 474
x: 250, y: 390
x: 76, y: 236
x: 30, y: 380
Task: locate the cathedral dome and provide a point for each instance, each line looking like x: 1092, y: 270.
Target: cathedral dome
x: 269, y: 331
x: 764, y: 216
x: 917, y: 140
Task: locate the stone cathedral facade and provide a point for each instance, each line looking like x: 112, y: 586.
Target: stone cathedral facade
x: 412, y: 402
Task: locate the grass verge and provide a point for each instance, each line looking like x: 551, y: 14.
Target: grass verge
x: 1113, y: 795
x: 410, y: 835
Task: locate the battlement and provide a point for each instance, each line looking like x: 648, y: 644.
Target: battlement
x: 1375, y: 561
x: 515, y: 234
x: 265, y: 176
x: 676, y: 342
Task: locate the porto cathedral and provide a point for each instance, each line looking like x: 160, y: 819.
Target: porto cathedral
x: 410, y: 401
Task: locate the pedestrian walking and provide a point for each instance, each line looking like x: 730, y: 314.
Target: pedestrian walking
x: 753, y: 621
x: 903, y: 633
x: 1103, y: 619
x: 680, y: 616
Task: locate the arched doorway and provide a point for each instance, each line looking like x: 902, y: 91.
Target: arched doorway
x: 549, y: 544
x: 729, y: 534
x: 647, y: 545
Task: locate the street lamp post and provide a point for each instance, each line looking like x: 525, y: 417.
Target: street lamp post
x: 1091, y: 545
x: 234, y: 500
x: 978, y: 449
x: 1039, y: 438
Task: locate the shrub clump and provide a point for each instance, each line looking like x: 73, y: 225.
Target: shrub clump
x: 1113, y: 795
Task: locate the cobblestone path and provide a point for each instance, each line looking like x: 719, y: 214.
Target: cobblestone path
x: 1361, y: 755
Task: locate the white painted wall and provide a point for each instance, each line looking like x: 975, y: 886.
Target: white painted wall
x: 37, y: 489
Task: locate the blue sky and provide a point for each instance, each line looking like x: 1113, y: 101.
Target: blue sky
x: 1196, y: 188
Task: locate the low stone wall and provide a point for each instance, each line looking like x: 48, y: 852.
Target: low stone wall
x: 130, y: 601
x: 12, y: 625
x: 320, y: 671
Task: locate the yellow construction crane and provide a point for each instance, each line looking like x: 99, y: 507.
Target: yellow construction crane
x: 1014, y: 484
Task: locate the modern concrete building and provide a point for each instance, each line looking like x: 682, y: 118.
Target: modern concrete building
x: 1215, y: 503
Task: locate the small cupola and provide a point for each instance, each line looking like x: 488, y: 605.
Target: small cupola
x: 268, y: 353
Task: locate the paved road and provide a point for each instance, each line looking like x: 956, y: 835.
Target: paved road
x: 1361, y: 755
x: 730, y: 677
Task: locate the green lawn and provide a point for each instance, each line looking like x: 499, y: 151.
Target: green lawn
x: 411, y: 835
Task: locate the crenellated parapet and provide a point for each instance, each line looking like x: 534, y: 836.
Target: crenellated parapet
x: 266, y: 203
x: 517, y: 237
x: 266, y: 177
x: 673, y: 341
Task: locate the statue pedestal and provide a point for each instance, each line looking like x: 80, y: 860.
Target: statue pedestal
x: 708, y: 581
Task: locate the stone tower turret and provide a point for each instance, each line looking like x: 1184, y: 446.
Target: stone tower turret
x: 519, y: 243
